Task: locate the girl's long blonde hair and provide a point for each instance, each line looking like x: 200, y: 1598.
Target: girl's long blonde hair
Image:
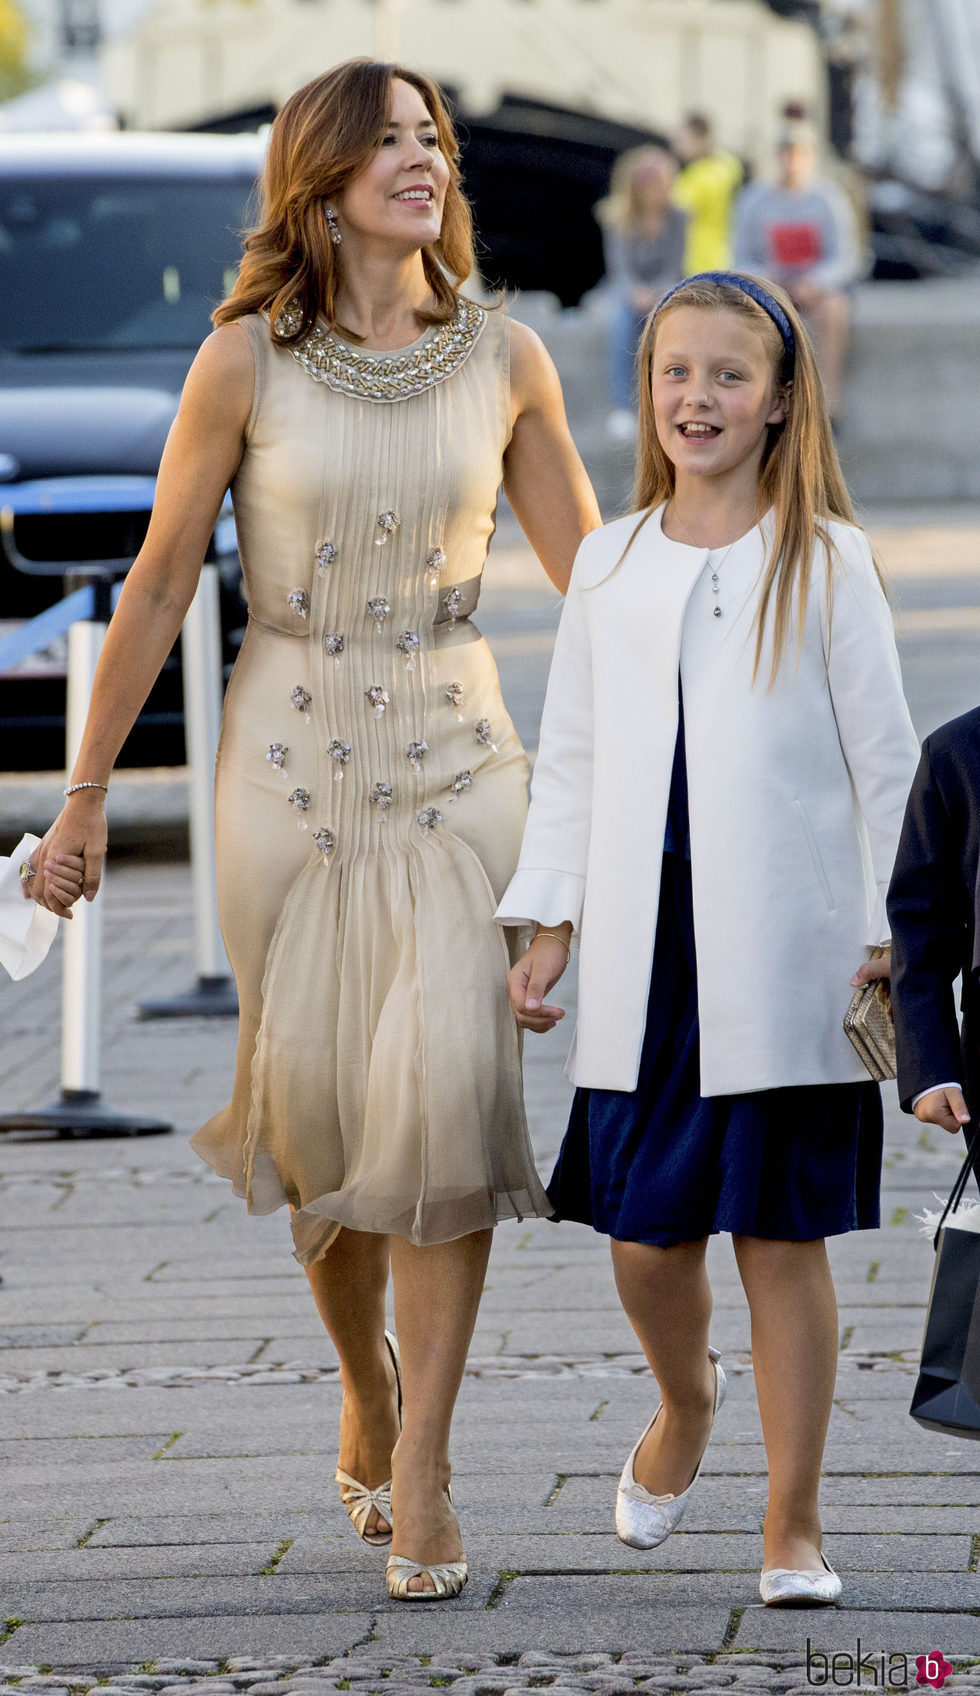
x: 801, y: 479
x: 323, y: 137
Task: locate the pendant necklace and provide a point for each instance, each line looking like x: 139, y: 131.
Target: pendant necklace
x: 715, y: 588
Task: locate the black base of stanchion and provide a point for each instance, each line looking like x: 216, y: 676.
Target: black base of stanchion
x: 83, y: 1113
x: 211, y: 998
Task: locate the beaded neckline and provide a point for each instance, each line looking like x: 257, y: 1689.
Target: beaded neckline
x: 376, y: 376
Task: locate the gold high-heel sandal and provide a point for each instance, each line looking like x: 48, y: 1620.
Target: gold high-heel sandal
x: 358, y: 1500
x: 448, y: 1577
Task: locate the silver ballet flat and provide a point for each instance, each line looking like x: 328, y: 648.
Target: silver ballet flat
x: 644, y: 1521
x: 782, y: 1587
x: 448, y: 1578
x: 356, y: 1497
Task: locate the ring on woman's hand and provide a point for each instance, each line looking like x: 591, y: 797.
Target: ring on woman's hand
x: 27, y: 871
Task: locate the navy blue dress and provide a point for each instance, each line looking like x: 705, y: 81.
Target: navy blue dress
x: 662, y: 1164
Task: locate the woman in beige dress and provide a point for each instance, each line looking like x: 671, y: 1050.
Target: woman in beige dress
x: 370, y: 786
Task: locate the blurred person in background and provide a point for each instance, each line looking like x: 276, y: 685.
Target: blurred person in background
x: 800, y: 231
x: 705, y: 190
x: 643, y: 236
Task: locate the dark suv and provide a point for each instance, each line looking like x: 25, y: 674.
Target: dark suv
x: 114, y: 249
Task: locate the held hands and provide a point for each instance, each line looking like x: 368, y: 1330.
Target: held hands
x: 530, y: 980
x: 69, y: 861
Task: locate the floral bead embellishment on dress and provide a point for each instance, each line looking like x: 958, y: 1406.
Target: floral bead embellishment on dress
x: 436, y: 562
x: 301, y: 699
x: 298, y: 601
x: 339, y: 751
x: 416, y: 754
x: 379, y: 609
x: 277, y: 754
x: 452, y: 603
x: 428, y: 818
x: 461, y: 782
x: 454, y: 695
x: 326, y: 553
x: 326, y: 842
x: 408, y: 644
x: 484, y: 734
x: 381, y: 797
x: 379, y: 699
x: 388, y: 523
x: 333, y: 644
x: 299, y: 800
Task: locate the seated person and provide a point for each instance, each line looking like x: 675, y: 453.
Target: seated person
x: 643, y: 244
x: 800, y: 231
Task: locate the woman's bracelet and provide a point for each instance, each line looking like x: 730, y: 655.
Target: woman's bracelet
x: 73, y: 788
x: 557, y: 938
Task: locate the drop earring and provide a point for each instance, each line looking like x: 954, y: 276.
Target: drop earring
x: 333, y: 226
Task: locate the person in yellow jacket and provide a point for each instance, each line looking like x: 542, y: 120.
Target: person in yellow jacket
x: 705, y: 189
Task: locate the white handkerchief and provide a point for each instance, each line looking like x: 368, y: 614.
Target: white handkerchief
x: 26, y: 930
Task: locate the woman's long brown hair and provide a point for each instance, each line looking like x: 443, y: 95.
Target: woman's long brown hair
x: 323, y: 137
x: 801, y: 479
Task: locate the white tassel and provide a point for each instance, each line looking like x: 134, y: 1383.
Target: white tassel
x: 965, y: 1217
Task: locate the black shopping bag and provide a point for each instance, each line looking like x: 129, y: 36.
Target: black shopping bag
x: 947, y: 1392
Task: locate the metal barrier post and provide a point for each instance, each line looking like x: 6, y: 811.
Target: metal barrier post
x: 214, y: 993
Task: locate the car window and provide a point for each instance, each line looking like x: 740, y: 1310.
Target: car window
x: 91, y: 262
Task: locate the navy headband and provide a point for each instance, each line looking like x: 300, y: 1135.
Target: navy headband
x: 755, y: 291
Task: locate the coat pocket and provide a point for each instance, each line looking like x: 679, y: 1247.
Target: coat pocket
x: 814, y: 853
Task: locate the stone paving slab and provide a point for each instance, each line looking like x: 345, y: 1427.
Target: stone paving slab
x: 579, y: 1614
x: 913, y: 1633
x: 203, y: 1560
x: 275, y: 1594
x: 133, y: 1261
x: 163, y: 1530
x: 98, y: 1643
x: 686, y: 1551
x: 36, y: 1532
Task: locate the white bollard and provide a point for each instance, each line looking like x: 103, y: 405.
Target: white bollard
x: 81, y: 984
x: 80, y: 1109
x: 203, y: 696
x: 214, y: 994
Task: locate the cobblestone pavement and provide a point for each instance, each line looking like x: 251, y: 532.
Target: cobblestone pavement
x: 168, y: 1424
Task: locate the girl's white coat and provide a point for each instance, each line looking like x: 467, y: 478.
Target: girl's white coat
x: 797, y: 795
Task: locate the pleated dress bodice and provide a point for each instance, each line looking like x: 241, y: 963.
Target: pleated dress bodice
x: 371, y: 796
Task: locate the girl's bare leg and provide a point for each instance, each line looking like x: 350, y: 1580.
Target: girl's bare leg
x: 667, y: 1299
x: 349, y: 1285
x: 437, y: 1296
x: 794, y: 1353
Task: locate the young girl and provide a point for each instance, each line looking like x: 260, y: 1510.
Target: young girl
x: 724, y: 761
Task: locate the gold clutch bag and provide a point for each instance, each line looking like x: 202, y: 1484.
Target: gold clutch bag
x: 871, y: 1027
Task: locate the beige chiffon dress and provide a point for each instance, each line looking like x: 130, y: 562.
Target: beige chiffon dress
x: 371, y: 796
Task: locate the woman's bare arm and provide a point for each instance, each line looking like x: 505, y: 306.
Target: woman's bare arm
x: 201, y: 456
x: 544, y: 478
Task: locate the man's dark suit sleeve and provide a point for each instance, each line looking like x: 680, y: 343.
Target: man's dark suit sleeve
x: 927, y: 941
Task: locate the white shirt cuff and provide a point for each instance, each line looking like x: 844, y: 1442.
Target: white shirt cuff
x: 932, y: 1090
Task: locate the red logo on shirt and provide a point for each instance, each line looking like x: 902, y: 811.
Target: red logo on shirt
x: 794, y: 246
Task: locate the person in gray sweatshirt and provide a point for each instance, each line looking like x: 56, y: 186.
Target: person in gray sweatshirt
x: 799, y: 231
